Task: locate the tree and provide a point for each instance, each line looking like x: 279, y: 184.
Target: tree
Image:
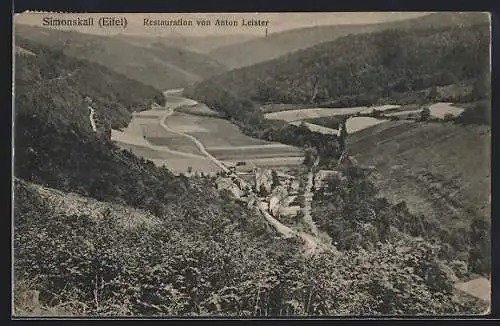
x: 425, y: 114
x: 480, y: 252
x: 275, y: 178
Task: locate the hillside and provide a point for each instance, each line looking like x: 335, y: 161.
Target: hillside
x: 48, y: 79
x: 348, y: 72
x: 199, y: 44
x: 441, y: 170
x: 161, y: 66
x: 278, y: 44
x: 401, y: 67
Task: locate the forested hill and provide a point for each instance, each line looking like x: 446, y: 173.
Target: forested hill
x: 160, y: 66
x: 54, y: 86
x: 363, y: 69
x: 278, y: 44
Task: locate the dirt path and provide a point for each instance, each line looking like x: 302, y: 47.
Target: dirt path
x: 308, y: 195
x: 92, y: 121
x: 312, y: 244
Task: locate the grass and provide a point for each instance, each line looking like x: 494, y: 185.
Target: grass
x: 158, y: 136
x: 199, y: 109
x: 181, y: 165
x: 147, y: 152
x: 211, y: 131
x: 318, y: 113
x: 277, y: 162
x: 359, y: 123
x: 294, y: 115
x: 317, y: 128
x: 238, y: 153
x: 439, y: 169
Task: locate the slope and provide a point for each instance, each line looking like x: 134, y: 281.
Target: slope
x: 199, y: 44
x: 365, y: 69
x: 278, y: 44
x: 162, y: 67
x: 441, y: 170
x: 50, y: 79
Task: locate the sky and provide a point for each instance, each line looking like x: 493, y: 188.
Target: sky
x: 278, y: 22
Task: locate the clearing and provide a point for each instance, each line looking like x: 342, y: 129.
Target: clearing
x: 199, y: 109
x: 224, y: 141
x: 312, y: 113
x: 211, y: 131
x: 158, y: 136
x: 252, y: 151
x: 439, y: 110
x: 353, y: 125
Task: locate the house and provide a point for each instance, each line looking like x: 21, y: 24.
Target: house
x: 294, y: 187
x: 244, y: 167
x: 322, y: 176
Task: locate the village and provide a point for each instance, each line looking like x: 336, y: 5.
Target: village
x: 283, y: 192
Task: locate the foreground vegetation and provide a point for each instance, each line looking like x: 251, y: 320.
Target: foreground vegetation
x: 208, y: 261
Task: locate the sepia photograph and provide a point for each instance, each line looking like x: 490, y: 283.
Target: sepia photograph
x: 251, y: 165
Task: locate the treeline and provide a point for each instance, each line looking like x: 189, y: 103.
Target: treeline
x: 50, y: 81
x: 364, y: 69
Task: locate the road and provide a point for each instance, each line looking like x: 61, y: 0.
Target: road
x: 308, y: 195
x: 92, y: 121
x: 312, y: 244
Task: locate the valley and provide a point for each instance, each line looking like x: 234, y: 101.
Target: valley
x: 331, y: 170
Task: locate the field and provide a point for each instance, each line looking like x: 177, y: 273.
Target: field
x: 259, y: 151
x: 439, y: 110
x: 359, y: 123
x: 317, y: 128
x: 353, y: 125
x: 177, y: 163
x: 295, y: 115
x: 439, y: 169
x: 312, y: 113
x: 199, y: 109
x: 406, y: 113
x: 146, y: 138
x: 329, y: 122
x: 211, y: 131
x: 147, y: 152
x: 158, y: 136
x: 182, y: 164
x: 271, y: 162
x: 225, y: 141
x: 278, y: 107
